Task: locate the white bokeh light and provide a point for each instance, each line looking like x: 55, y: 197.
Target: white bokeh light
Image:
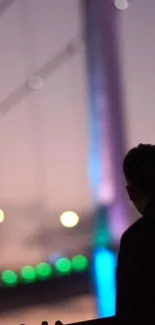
x: 2, y: 216
x: 121, y: 4
x: 69, y: 219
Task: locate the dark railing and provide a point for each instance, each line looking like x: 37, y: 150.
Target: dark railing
x: 98, y: 321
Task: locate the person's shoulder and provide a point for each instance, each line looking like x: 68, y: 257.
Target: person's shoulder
x: 135, y: 229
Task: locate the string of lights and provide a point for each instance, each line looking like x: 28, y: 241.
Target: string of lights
x: 44, y: 271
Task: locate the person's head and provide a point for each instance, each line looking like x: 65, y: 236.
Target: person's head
x: 139, y: 171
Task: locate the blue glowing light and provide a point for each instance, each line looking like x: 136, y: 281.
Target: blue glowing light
x: 105, y: 274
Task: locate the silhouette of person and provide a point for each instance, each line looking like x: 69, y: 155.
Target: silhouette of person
x: 135, y: 292
x: 135, y: 300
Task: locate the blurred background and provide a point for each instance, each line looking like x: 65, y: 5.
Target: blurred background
x: 76, y: 93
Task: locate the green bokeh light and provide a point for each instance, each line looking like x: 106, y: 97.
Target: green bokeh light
x: 80, y: 263
x: 44, y: 270
x: 9, y: 278
x: 64, y: 266
x: 28, y: 274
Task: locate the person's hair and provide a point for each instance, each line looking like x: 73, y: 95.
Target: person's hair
x: 139, y: 168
